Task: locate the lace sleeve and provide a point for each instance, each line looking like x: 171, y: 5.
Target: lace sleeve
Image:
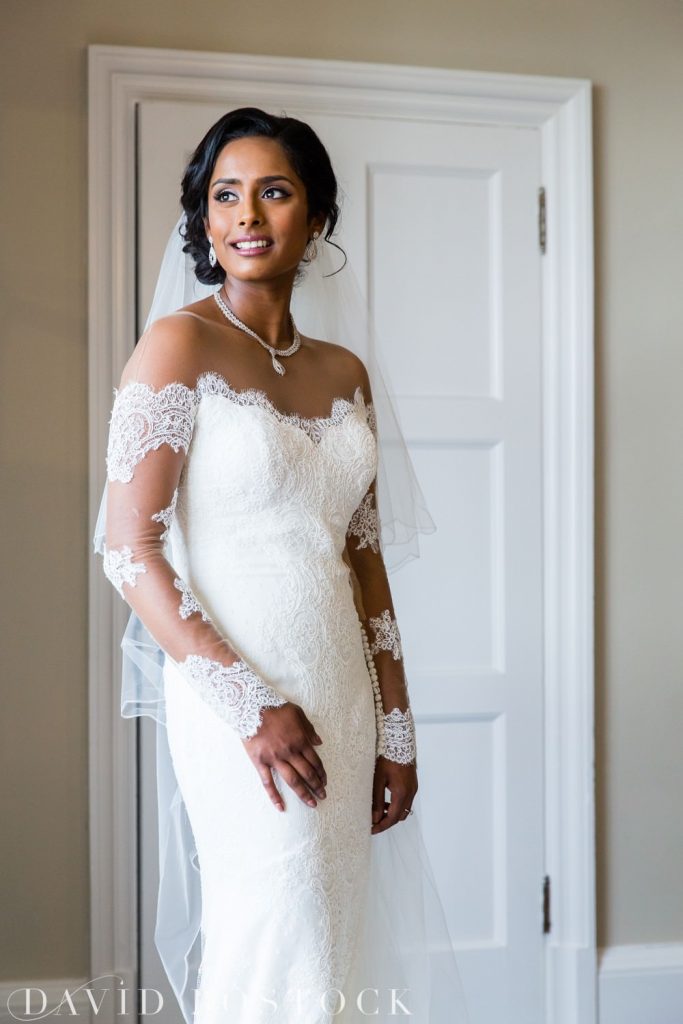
x: 150, y: 431
x: 381, y: 637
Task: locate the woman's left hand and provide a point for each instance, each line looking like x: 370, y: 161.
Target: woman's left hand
x: 401, y: 781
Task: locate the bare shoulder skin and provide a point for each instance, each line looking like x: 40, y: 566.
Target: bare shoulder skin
x: 199, y: 339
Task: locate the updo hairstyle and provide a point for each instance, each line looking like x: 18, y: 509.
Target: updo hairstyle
x: 305, y: 152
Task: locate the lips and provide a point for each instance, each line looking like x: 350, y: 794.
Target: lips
x: 261, y: 238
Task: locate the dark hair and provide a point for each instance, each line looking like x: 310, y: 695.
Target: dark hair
x: 305, y: 151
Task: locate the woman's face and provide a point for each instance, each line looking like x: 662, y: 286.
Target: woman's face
x: 254, y: 191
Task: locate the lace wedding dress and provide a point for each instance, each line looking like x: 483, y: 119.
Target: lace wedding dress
x: 227, y: 525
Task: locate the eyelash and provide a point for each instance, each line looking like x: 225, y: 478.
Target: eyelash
x: 271, y: 188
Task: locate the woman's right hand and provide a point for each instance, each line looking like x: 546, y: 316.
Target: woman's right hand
x: 285, y: 741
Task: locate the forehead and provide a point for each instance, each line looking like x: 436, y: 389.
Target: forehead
x: 253, y: 156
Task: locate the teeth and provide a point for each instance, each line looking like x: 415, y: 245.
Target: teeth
x: 252, y: 245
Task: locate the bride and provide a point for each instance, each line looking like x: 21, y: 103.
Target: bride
x: 241, y: 525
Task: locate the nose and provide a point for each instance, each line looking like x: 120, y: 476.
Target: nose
x: 250, y: 218
x: 250, y: 214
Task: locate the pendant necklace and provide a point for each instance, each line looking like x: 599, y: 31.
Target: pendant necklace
x: 274, y: 352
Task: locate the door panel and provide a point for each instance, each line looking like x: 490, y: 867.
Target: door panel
x: 440, y: 222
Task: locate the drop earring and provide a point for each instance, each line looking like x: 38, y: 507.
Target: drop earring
x: 309, y: 253
x: 212, y: 253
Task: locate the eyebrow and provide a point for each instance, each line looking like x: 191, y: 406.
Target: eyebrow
x: 262, y: 181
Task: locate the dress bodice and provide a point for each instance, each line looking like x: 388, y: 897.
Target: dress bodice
x: 261, y: 486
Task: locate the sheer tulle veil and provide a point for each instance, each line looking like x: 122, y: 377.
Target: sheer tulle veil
x: 330, y: 306
x: 403, y: 899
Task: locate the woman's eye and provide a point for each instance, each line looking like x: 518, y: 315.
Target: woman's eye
x: 228, y: 192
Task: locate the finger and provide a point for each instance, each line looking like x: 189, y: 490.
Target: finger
x: 269, y: 785
x: 377, y: 825
x: 295, y: 782
x: 310, y: 754
x: 308, y: 773
x: 316, y: 737
x: 313, y: 759
x: 402, y: 814
x: 378, y: 792
x: 307, y: 724
x: 399, y: 802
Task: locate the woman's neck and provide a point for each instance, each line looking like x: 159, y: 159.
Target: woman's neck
x: 264, y: 306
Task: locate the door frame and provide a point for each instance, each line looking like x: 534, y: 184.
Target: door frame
x: 119, y: 77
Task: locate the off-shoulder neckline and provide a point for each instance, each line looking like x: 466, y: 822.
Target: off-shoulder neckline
x: 218, y: 383
x: 212, y: 382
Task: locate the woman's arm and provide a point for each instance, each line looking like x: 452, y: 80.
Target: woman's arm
x: 396, y: 735
x: 150, y: 431
x: 143, y: 472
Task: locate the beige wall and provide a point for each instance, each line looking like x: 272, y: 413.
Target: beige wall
x: 631, y: 50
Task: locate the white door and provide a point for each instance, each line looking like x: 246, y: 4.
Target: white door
x: 441, y: 222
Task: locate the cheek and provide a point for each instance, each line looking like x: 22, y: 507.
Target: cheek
x: 221, y: 224
x: 300, y: 238
x: 292, y: 220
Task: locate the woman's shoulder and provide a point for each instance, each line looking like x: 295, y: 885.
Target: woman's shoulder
x: 341, y: 356
x: 345, y: 365
x: 166, y: 352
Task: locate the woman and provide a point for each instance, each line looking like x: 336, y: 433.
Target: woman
x: 241, y: 492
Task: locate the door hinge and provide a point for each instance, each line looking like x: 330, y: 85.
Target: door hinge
x: 546, y: 905
x: 541, y: 219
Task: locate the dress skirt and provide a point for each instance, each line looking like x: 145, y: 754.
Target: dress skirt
x: 283, y: 892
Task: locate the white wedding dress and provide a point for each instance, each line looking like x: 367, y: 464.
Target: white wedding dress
x: 259, y: 530
x: 228, y: 518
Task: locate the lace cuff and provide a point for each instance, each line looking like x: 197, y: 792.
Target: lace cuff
x: 397, y: 742
x: 395, y: 730
x: 235, y: 692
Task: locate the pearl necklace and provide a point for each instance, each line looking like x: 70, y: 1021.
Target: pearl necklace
x: 277, y: 365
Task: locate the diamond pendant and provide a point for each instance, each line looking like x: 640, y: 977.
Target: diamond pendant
x: 277, y: 365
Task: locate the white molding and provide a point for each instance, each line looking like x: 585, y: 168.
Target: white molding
x: 656, y: 957
x: 560, y: 109
x: 112, y: 741
x: 641, y: 983
x: 568, y: 389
